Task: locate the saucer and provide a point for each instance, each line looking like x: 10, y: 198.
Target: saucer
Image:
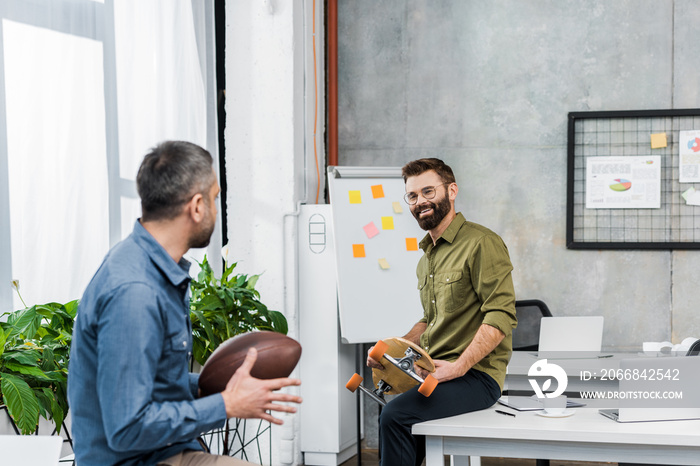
x: 566, y: 413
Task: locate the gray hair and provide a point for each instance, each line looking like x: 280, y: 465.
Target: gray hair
x: 170, y: 175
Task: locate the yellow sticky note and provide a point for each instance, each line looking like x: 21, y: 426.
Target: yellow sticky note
x: 411, y: 244
x: 383, y: 264
x: 387, y: 223
x: 658, y: 140
x: 377, y: 191
x: 397, y: 207
x: 355, y: 197
x: 358, y: 250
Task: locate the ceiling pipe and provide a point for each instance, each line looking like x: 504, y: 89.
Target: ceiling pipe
x: 332, y: 35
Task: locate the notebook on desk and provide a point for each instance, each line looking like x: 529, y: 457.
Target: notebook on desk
x: 531, y: 403
x: 659, y: 377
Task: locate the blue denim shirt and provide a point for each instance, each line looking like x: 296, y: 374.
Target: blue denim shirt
x: 132, y: 398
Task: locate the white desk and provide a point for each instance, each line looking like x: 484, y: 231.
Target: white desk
x: 585, y: 436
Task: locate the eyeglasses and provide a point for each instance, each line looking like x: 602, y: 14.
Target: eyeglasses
x: 428, y: 192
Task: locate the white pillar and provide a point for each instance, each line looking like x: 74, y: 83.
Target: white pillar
x: 268, y: 110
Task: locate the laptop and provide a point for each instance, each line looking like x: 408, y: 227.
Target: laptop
x: 657, y: 377
x: 575, y: 336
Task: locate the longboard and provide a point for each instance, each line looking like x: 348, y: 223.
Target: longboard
x: 398, y: 357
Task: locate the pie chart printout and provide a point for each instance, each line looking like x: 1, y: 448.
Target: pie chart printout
x: 621, y: 184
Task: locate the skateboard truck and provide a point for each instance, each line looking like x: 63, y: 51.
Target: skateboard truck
x: 405, y: 364
x: 377, y: 394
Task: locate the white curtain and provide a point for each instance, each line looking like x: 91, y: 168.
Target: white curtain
x: 88, y: 88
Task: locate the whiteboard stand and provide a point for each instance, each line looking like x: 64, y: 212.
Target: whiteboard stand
x: 376, y: 300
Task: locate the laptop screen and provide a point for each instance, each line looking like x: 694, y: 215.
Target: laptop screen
x: 571, y: 333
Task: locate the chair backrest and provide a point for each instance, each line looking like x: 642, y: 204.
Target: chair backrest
x: 529, y: 312
x: 694, y: 349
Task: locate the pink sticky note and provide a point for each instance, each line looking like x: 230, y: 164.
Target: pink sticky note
x: 371, y: 230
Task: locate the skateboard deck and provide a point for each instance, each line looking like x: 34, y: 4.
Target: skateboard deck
x: 397, y: 378
x: 398, y: 357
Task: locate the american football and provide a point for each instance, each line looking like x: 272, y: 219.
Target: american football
x: 278, y: 355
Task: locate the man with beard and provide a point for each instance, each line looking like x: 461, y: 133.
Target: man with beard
x: 466, y: 290
x: 132, y: 398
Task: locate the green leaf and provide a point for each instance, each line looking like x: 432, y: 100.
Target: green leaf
x: 252, y: 281
x: 25, y: 322
x: 71, y: 309
x: 47, y: 362
x: 26, y: 370
x: 3, y: 339
x: 21, y: 403
x: 45, y: 398
x: 279, y: 322
x: 59, y: 376
x: 206, y: 325
x: 58, y: 414
x: 28, y: 357
x: 210, y: 303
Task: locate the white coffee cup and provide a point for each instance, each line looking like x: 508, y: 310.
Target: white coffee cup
x: 556, y: 405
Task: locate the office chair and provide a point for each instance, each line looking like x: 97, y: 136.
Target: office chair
x: 526, y: 336
x: 694, y: 349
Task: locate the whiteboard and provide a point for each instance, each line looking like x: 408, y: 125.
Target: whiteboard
x: 374, y: 302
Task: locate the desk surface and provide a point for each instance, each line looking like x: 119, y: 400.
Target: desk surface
x: 586, y: 436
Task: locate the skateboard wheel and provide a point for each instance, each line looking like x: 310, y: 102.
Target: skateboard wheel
x: 378, y: 351
x: 354, y: 382
x: 428, y: 385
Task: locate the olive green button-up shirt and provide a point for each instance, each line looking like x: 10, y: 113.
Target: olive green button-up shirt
x: 465, y: 281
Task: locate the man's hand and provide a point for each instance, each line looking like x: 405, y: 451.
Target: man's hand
x: 445, y: 370
x: 246, y: 397
x: 373, y: 363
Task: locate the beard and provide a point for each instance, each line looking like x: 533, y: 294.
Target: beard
x: 440, y: 210
x: 201, y: 238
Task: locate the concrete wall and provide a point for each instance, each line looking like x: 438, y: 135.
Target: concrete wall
x: 486, y: 86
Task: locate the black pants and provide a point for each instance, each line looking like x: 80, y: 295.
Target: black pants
x: 397, y: 446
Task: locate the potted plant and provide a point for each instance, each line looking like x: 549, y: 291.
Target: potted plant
x: 34, y: 350
x: 221, y: 309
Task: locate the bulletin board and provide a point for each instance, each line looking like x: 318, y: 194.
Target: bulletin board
x: 645, y: 137
x: 376, y: 246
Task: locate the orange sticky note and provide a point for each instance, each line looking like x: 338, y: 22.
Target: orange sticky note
x: 358, y: 250
x: 387, y: 223
x: 377, y: 191
x: 411, y: 244
x: 383, y: 264
x: 658, y: 140
x: 355, y: 197
x: 397, y: 207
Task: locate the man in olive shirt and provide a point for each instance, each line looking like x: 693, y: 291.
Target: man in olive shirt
x: 466, y: 290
